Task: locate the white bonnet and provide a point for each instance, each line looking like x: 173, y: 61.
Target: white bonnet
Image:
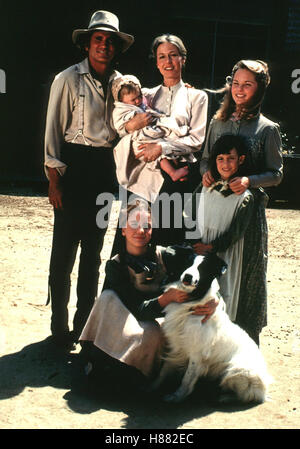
x: 119, y: 82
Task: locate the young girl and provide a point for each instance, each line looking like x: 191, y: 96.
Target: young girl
x: 122, y: 323
x: 240, y: 114
x: 222, y: 217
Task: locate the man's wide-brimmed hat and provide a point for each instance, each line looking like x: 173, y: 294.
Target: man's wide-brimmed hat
x: 104, y: 21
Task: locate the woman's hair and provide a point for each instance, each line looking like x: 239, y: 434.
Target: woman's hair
x: 172, y: 39
x: 261, y: 72
x: 137, y: 204
x: 224, y: 145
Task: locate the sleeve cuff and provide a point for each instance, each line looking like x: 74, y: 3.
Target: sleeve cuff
x: 165, y: 148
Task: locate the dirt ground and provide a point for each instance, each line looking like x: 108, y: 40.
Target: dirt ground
x: 41, y: 391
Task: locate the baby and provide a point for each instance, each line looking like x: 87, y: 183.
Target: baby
x: 129, y: 101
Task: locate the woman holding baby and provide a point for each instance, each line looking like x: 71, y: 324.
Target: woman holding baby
x: 188, y: 108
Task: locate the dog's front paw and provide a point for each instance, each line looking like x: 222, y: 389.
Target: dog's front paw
x: 175, y: 398
x: 227, y: 398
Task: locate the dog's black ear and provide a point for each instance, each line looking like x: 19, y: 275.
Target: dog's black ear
x: 222, y: 265
x: 223, y: 268
x: 218, y: 265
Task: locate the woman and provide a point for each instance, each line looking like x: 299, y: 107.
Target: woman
x: 122, y: 322
x: 188, y: 107
x: 240, y: 114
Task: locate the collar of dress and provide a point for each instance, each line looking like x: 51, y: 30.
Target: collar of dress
x: 175, y: 87
x: 221, y: 187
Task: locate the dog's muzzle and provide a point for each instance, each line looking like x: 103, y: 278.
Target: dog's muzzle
x: 189, y: 280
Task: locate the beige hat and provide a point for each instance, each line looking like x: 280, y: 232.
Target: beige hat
x: 118, y: 83
x: 105, y: 21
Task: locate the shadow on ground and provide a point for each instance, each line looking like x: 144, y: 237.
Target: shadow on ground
x: 38, y: 365
x: 149, y: 411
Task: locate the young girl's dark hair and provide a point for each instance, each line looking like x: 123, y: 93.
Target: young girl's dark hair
x: 223, y: 146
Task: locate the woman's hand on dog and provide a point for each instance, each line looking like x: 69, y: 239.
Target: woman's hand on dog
x: 207, y: 309
x: 172, y: 295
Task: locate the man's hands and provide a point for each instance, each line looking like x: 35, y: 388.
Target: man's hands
x: 55, y: 191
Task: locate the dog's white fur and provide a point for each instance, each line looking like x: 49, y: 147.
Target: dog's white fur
x: 217, y: 348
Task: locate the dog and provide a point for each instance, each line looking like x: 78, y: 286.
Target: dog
x: 217, y: 348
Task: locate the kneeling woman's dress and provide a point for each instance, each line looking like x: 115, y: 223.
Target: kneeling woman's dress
x: 124, y: 322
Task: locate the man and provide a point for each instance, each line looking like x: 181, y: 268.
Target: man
x: 79, y: 165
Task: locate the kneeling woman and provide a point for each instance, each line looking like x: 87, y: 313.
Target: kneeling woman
x: 123, y: 321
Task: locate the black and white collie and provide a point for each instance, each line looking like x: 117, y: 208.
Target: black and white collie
x: 217, y: 348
